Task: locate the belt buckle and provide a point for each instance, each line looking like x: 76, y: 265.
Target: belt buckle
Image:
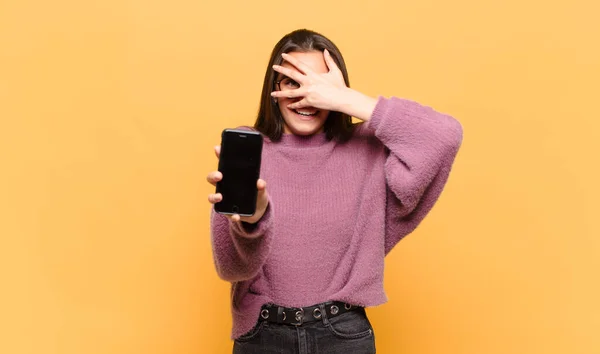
x: 299, y: 317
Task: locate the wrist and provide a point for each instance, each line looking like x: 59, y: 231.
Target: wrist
x: 254, y: 219
x: 356, y: 104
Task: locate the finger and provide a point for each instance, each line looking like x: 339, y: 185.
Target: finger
x: 300, y: 104
x: 297, y: 64
x: 301, y: 92
x: 218, y: 150
x: 235, y: 217
x: 215, y: 198
x: 214, y: 177
x: 289, y: 72
x: 261, y: 185
x: 329, y: 61
x: 262, y: 191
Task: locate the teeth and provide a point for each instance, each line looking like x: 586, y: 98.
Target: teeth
x: 306, y: 113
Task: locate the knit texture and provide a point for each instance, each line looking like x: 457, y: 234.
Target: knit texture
x: 336, y: 209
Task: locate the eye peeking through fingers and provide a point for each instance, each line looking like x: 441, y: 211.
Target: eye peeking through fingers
x: 287, y: 84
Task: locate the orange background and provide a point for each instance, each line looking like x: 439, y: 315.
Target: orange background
x: 109, y: 110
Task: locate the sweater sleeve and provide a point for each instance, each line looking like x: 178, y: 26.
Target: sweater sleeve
x: 422, y: 145
x: 240, y: 249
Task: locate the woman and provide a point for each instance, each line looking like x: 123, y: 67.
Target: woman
x: 340, y: 197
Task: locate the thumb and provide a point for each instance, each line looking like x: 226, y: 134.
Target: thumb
x: 261, y: 185
x: 331, y: 65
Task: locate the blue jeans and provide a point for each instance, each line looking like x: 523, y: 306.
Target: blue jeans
x: 348, y: 333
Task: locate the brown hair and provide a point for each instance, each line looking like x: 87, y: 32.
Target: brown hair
x: 269, y: 120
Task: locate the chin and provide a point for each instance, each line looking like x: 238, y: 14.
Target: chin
x: 301, y: 125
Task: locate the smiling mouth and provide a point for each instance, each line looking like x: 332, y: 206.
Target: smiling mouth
x: 306, y: 113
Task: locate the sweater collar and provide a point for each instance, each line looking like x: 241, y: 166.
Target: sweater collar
x: 301, y: 141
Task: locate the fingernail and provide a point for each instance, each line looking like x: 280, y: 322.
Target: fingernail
x: 273, y: 93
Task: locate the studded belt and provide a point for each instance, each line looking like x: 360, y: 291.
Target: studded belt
x: 298, y: 316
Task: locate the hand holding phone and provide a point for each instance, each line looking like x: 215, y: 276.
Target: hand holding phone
x: 240, y: 193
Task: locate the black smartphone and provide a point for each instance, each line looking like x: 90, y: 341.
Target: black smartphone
x: 239, y: 162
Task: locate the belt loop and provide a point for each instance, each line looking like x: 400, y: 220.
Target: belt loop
x: 324, y: 317
x: 280, y: 314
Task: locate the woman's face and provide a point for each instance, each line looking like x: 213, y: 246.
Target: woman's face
x: 308, y: 120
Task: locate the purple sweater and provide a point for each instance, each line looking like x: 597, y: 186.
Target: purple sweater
x: 335, y: 211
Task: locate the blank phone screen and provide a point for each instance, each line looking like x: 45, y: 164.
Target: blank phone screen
x: 239, y: 163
